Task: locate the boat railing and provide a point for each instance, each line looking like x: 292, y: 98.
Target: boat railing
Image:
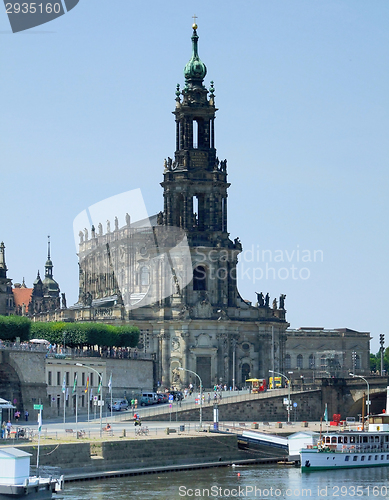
x: 355, y: 448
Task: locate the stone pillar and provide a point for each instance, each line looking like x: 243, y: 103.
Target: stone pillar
x: 212, y: 212
x: 185, y: 215
x: 165, y: 336
x: 184, y: 353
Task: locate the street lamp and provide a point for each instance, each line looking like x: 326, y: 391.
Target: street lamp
x: 282, y: 375
x: 201, y: 393
x: 101, y: 394
x: 368, y: 392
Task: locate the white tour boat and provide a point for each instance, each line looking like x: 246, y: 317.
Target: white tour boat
x: 351, y: 448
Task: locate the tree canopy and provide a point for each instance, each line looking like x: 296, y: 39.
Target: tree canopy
x: 71, y: 334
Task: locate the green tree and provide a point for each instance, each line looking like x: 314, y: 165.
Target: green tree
x: 12, y: 327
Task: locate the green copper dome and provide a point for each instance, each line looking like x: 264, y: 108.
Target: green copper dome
x: 195, y: 69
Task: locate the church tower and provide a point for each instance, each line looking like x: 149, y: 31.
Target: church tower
x: 201, y: 324
x: 195, y: 188
x: 6, y: 296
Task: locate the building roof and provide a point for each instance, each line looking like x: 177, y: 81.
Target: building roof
x: 14, y: 453
x: 22, y: 296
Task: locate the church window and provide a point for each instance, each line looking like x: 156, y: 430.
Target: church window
x: 300, y: 361
x: 199, y: 278
x: 288, y: 361
x: 358, y: 362
x: 312, y: 361
x: 224, y: 214
x: 144, y: 276
x: 245, y: 372
x: 195, y: 134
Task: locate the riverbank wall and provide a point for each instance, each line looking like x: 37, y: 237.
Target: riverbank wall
x: 89, y: 459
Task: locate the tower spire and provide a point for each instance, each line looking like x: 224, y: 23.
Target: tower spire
x: 195, y: 70
x: 48, y: 247
x: 3, y: 267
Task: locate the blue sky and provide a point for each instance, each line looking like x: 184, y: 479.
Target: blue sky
x: 302, y: 92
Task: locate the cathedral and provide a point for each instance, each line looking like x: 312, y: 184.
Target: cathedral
x: 174, y: 275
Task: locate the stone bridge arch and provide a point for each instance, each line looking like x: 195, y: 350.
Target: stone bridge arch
x: 377, y: 398
x: 22, y: 377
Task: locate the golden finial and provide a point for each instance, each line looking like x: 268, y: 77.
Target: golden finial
x: 194, y: 25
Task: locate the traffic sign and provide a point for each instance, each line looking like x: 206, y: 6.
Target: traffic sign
x: 171, y: 397
x: 38, y: 407
x: 295, y: 405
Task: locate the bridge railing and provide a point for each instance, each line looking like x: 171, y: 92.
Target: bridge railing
x: 192, y: 404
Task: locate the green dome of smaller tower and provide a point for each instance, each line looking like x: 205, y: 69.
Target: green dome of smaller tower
x: 195, y: 70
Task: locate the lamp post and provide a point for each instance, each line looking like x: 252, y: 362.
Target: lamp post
x: 282, y: 375
x: 368, y: 392
x: 233, y: 363
x: 101, y: 393
x: 201, y: 393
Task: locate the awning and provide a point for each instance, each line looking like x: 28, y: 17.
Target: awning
x: 6, y: 405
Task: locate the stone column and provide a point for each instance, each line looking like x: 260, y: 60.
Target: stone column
x: 185, y: 221
x: 165, y: 336
x: 212, y: 211
x: 184, y: 353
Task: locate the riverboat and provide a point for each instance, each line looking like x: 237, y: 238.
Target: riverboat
x: 350, y: 449
x: 16, y: 481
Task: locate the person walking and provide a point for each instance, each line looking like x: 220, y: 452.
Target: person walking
x: 17, y: 415
x: 3, y: 429
x: 26, y: 415
x: 9, y: 427
x: 209, y: 398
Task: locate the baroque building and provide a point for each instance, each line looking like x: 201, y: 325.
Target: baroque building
x: 321, y: 353
x: 42, y: 298
x: 174, y: 275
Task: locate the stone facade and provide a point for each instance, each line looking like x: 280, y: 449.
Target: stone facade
x: 129, y: 377
x: 319, y: 352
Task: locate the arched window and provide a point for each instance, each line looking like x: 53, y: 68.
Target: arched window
x: 200, y: 278
x: 312, y: 361
x: 300, y: 361
x: 288, y: 362
x: 144, y: 276
x: 357, y: 362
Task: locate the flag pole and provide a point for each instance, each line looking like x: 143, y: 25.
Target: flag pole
x: 110, y: 390
x: 76, y: 413
x: 64, y: 397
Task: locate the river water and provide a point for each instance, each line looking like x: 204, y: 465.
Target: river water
x: 260, y: 482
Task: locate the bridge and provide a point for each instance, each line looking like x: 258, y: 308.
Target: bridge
x: 23, y: 381
x: 342, y: 396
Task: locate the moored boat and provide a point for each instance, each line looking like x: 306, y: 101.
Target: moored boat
x: 349, y: 449
x: 16, y: 481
